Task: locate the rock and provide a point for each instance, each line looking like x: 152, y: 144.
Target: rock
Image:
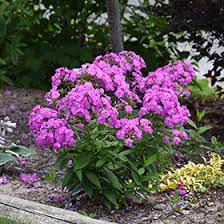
x: 185, y: 212
x: 159, y: 206
x: 157, y: 215
x: 157, y: 222
x: 148, y: 218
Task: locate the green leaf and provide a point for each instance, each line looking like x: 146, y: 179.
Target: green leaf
x: 135, y: 177
x: 3, y: 26
x: 110, y: 196
x: 69, y: 176
x: 5, y: 79
x: 79, y: 174
x: 203, y: 129
x: 100, y: 163
x: 113, y: 179
x: 77, y: 189
x: 150, y: 160
x: 21, y: 150
x: 192, y: 124
x: 126, y: 152
x: 200, y: 115
x: 192, y: 133
x: 93, y: 178
x: 82, y: 161
x: 134, y: 197
x: 4, y: 158
x: 120, y: 157
x: 2, y: 62
x: 62, y: 159
x: 14, y: 56
x: 107, y: 203
x: 141, y: 171
x: 51, y: 175
x: 88, y: 189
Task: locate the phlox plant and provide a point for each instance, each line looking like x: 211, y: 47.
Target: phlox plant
x: 111, y: 125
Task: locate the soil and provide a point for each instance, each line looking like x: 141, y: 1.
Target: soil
x: 155, y: 209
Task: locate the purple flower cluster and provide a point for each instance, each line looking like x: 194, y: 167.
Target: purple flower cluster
x: 164, y: 102
x: 181, y: 191
x: 29, y: 178
x: 4, y: 179
x: 129, y: 129
x: 49, y: 130
x: 113, y: 91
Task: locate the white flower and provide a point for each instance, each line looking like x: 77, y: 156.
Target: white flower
x: 6, y: 126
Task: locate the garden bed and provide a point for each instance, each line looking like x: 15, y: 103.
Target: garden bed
x: 18, y: 104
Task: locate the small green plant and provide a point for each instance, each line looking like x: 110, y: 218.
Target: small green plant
x: 200, y: 89
x: 174, y: 201
x: 196, y: 141
x: 89, y: 214
x: 51, y: 177
x: 177, y: 203
x: 10, y: 152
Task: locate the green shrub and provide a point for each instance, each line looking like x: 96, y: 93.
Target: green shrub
x: 101, y: 164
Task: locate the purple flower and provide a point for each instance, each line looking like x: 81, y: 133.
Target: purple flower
x: 167, y: 139
x: 4, y: 179
x: 23, y: 162
x: 108, y: 90
x: 13, y: 107
x: 24, y: 136
x: 176, y: 141
x: 80, y: 126
x: 24, y: 177
x: 180, y: 186
x: 56, y: 199
x: 182, y: 192
x: 129, y: 142
x: 29, y: 178
x: 171, y: 194
x: 128, y: 109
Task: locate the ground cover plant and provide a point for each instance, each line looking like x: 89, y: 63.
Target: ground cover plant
x: 10, y: 152
x: 5, y: 220
x: 195, y: 177
x: 113, y: 126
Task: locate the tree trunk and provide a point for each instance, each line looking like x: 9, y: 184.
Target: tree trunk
x: 115, y: 31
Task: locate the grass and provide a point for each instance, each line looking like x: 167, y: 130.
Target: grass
x: 5, y: 220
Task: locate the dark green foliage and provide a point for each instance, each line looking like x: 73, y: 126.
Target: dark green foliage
x: 145, y: 37
x: 33, y: 45
x: 198, y: 142
x: 201, y: 90
x: 109, y: 172
x: 191, y: 18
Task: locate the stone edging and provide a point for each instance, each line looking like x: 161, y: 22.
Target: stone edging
x: 36, y: 213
